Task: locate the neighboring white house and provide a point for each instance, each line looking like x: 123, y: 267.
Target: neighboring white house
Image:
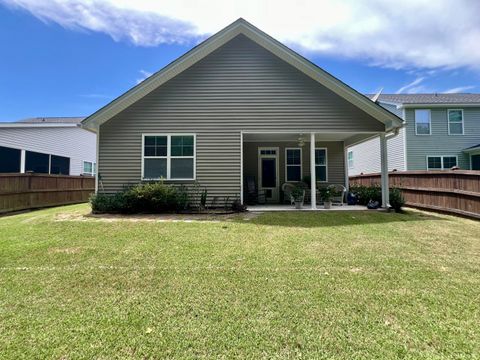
x: 47, y: 145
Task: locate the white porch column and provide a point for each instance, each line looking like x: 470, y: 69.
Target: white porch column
x: 313, y: 183
x: 345, y: 166
x: 22, y: 161
x: 384, y: 171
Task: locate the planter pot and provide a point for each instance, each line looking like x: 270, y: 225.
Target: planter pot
x: 298, y: 204
x: 327, y: 204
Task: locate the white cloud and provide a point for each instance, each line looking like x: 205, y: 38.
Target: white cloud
x: 145, y: 74
x: 459, y: 89
x: 412, y: 87
x: 402, y: 34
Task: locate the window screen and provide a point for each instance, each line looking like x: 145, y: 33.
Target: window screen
x: 60, y: 165
x: 36, y: 162
x: 293, y: 164
x: 434, y: 163
x: 321, y: 164
x: 422, y: 122
x: 9, y: 160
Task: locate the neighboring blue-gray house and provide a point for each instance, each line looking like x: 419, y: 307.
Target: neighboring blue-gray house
x: 441, y: 131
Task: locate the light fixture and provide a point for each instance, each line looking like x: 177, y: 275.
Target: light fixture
x: 301, y: 140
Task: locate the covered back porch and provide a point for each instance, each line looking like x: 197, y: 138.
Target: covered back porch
x: 275, y: 162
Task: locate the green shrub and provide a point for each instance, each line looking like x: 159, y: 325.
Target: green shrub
x: 108, y: 203
x: 327, y: 193
x: 374, y: 192
x: 183, y: 198
x: 367, y: 193
x: 397, y: 201
x: 152, y: 197
x: 142, y: 198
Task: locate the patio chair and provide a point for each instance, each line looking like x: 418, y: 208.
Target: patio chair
x: 287, y: 193
x: 252, y: 194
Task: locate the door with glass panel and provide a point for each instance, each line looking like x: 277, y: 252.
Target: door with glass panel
x: 268, y: 173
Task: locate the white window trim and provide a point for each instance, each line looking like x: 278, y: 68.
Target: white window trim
x: 441, y: 161
x: 287, y: 165
x: 326, y: 165
x: 463, y: 122
x: 93, y: 168
x: 350, y: 161
x: 429, y: 121
x: 169, y: 156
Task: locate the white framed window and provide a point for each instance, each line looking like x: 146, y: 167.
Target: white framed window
x: 442, y: 162
x: 423, y: 123
x: 455, y: 121
x: 168, y: 156
x: 293, y: 164
x: 350, y: 159
x: 89, y: 168
x: 321, y: 162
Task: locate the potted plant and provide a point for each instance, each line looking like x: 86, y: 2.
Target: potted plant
x: 298, y: 194
x: 326, y: 194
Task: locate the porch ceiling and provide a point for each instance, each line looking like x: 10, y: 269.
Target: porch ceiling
x: 259, y: 137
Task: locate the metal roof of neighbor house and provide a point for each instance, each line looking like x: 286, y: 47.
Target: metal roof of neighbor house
x: 465, y: 98
x: 52, y: 120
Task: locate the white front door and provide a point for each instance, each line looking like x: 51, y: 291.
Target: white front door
x: 268, y: 179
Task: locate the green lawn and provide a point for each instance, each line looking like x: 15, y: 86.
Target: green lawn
x: 306, y: 285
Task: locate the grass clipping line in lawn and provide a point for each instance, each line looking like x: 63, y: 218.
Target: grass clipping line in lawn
x: 278, y: 285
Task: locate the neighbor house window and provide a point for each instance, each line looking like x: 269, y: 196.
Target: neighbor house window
x: 171, y: 157
x: 422, y: 122
x: 350, y: 159
x: 449, y: 161
x: 441, y: 162
x: 455, y: 122
x: 89, y: 168
x: 9, y: 160
x: 293, y: 164
x: 59, y: 165
x: 37, y: 162
x: 321, y: 164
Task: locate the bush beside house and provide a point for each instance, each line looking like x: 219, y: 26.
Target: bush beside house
x: 374, y: 193
x: 156, y: 197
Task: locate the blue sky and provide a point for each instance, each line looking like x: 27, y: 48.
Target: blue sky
x: 51, y: 67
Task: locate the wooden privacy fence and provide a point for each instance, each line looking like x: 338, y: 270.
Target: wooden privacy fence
x: 454, y: 191
x: 29, y: 191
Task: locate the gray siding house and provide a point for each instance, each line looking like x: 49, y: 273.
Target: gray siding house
x: 239, y: 104
x: 441, y: 131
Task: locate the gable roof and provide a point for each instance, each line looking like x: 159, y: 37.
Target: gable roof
x: 435, y: 99
x: 199, y: 52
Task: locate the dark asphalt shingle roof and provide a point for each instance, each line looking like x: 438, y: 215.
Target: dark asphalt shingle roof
x: 52, y: 120
x: 430, y: 98
x: 472, y: 147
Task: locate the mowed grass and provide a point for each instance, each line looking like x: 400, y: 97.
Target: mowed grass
x: 344, y: 285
